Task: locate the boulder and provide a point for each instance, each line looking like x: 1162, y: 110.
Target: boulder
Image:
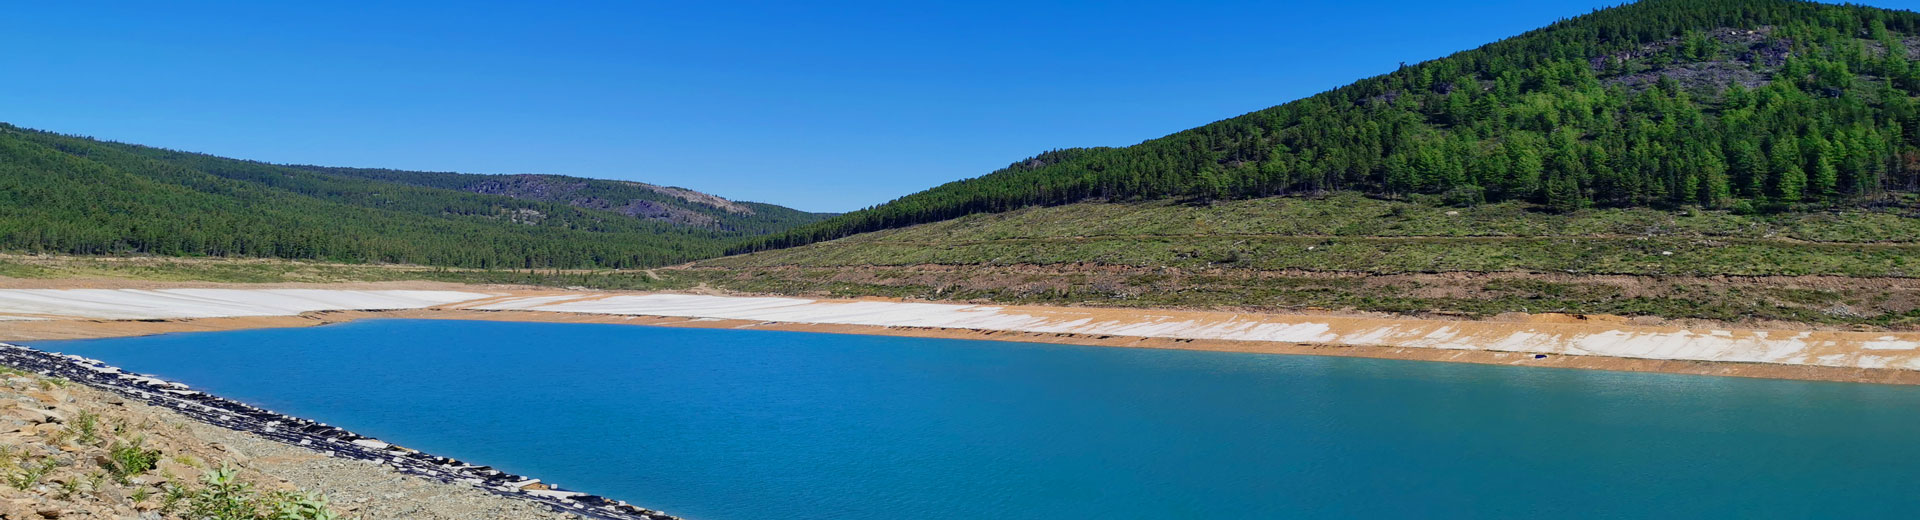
x: 36, y: 415
x: 21, y: 508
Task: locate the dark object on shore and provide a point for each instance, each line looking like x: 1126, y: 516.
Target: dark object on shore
x: 315, y: 436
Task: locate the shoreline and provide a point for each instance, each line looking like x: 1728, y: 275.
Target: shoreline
x: 92, y: 329
x: 33, y: 310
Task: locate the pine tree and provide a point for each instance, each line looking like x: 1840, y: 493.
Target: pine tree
x: 1716, y: 191
x: 1748, y: 167
x: 1563, y: 193
x: 1822, y: 176
x: 1789, y: 179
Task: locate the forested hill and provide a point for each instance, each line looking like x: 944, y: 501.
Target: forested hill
x: 1751, y: 105
x: 675, y: 205
x: 67, y: 194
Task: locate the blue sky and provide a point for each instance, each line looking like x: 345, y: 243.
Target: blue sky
x: 823, y: 106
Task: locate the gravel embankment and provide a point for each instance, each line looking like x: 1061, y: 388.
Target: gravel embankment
x: 60, y: 438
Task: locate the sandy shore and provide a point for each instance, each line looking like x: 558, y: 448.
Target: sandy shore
x: 1584, y: 342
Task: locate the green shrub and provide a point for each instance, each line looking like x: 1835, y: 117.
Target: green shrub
x: 86, y: 428
x: 25, y: 476
x: 223, y: 497
x: 125, y: 460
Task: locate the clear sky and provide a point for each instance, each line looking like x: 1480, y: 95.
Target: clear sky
x: 821, y: 106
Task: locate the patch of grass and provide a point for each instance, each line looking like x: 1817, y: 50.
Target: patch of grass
x: 174, y: 496
x: 15, y: 269
x: 1334, y: 253
x: 221, y: 496
x: 68, y: 489
x: 124, y: 460
x: 26, y: 475
x: 1808, y: 296
x: 1352, y: 233
x: 96, y: 481
x: 86, y: 428
x: 1382, y: 255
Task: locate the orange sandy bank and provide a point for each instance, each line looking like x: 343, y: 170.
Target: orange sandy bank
x: 1554, y: 341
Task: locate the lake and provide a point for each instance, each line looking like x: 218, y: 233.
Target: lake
x: 741, y: 424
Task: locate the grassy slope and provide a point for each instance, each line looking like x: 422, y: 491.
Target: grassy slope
x: 1348, y: 232
x: 1356, y: 253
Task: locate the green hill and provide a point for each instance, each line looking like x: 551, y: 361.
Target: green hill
x: 73, y: 195
x: 1735, y: 160
x: 1750, y: 105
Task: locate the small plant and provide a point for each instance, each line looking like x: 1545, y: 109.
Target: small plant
x: 68, y: 488
x: 141, y: 494
x: 96, y: 481
x: 174, y: 495
x: 300, y: 506
x: 25, y: 476
x: 86, y: 428
x: 222, y: 496
x: 128, y: 459
x: 59, y: 437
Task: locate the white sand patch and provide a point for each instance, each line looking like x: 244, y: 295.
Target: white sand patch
x: 1869, y: 361
x: 1845, y: 349
x: 1890, y: 343
x: 940, y: 315
x: 131, y: 304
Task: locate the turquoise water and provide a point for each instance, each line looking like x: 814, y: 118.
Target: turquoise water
x: 726, y: 424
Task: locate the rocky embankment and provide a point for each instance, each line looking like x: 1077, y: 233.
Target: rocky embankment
x: 79, y: 439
